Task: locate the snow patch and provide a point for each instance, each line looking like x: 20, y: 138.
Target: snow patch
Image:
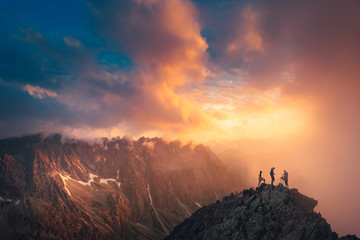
x: 5, y: 200
x: 187, y: 211
x: 118, y: 178
x: 9, y: 200
x: 63, y: 178
x: 105, y: 181
x: 88, y: 183
x: 156, y: 212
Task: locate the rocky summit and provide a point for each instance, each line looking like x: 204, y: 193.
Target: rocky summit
x: 268, y: 212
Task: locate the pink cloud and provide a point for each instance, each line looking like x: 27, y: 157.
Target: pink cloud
x: 39, y: 92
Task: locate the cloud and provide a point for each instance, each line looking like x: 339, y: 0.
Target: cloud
x: 256, y: 58
x: 201, y: 70
x: 71, y: 41
x: 169, y: 52
x: 39, y: 92
x: 25, y: 114
x: 18, y: 62
x: 163, y: 41
x: 248, y: 41
x: 310, y: 52
x: 156, y: 35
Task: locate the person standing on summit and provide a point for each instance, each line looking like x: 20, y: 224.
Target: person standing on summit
x: 261, y: 179
x: 285, y: 178
x: 272, y: 174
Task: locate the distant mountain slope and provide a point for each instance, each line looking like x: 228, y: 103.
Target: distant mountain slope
x: 118, y: 189
x: 267, y: 213
x: 236, y: 160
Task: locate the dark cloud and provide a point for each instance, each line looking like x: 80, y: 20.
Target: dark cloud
x: 23, y: 114
x: 18, y: 62
x: 168, y: 51
x: 219, y: 21
x: 150, y: 33
x: 164, y: 51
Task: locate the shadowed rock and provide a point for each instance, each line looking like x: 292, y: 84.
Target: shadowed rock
x: 265, y: 213
x: 349, y: 237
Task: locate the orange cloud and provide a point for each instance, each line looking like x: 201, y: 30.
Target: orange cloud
x: 305, y: 79
x: 184, y: 54
x: 163, y: 38
x: 272, y: 70
x: 39, y: 92
x: 248, y: 41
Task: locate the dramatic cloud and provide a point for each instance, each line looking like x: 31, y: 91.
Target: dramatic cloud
x: 169, y: 52
x: 285, y: 72
x: 309, y: 51
x: 162, y: 39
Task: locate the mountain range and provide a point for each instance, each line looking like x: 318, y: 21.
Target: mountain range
x: 57, y: 188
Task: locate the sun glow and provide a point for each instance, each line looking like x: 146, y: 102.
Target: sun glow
x: 274, y: 123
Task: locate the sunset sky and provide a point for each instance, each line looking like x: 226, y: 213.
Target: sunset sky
x: 284, y: 73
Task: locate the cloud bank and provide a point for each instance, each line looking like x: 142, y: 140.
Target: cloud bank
x: 166, y: 50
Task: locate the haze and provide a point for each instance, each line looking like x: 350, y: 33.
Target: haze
x: 275, y: 81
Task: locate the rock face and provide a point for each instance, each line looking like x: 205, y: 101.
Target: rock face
x: 51, y: 188
x: 349, y: 237
x: 265, y: 213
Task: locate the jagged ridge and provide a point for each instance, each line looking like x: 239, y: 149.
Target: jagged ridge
x: 265, y: 213
x: 53, y: 188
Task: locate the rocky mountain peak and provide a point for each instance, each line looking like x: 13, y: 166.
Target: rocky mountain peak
x: 107, y: 189
x: 268, y: 212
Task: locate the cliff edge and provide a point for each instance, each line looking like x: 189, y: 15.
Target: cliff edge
x: 268, y: 212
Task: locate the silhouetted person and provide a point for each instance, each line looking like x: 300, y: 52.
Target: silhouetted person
x: 285, y: 178
x: 260, y: 178
x: 272, y: 174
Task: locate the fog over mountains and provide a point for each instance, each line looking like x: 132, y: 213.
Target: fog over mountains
x: 57, y: 188
x: 54, y: 188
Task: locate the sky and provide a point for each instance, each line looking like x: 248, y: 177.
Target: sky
x: 284, y: 74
